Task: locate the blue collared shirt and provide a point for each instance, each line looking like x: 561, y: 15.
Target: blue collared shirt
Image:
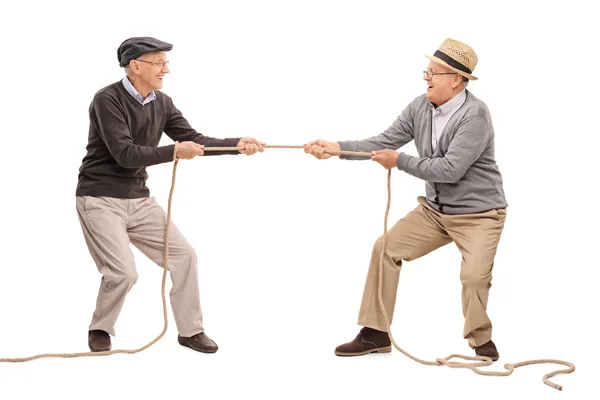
x: 135, y: 94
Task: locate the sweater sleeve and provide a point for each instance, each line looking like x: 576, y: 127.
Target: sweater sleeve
x: 394, y: 137
x: 108, y: 119
x: 473, y: 136
x: 179, y: 129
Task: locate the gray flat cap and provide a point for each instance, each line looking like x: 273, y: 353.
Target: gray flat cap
x: 134, y: 47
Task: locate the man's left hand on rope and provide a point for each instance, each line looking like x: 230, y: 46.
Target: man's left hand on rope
x: 387, y: 158
x: 249, y: 146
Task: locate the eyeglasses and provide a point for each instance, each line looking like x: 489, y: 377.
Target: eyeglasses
x: 430, y: 74
x: 161, y: 65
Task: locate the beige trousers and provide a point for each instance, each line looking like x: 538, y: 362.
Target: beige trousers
x: 109, y: 225
x: 421, y: 231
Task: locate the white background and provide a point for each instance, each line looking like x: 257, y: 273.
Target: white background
x: 283, y: 239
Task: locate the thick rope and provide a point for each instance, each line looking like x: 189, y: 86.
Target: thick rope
x: 279, y: 146
x: 483, y: 361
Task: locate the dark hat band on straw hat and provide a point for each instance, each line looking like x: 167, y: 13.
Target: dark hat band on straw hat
x: 452, y: 62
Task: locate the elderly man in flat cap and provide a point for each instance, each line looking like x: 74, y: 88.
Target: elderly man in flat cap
x: 127, y: 119
x: 464, y: 203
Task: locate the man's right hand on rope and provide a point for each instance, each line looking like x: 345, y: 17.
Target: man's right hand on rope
x: 317, y: 148
x: 189, y: 150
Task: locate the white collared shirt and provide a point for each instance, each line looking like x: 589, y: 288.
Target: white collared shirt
x: 442, y: 114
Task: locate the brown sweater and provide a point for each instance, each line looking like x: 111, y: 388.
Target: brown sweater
x: 123, y: 140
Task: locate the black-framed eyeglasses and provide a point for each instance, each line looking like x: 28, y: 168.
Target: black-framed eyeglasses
x: 430, y: 74
x: 161, y: 64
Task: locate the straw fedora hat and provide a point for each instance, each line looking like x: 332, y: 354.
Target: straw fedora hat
x: 457, y: 56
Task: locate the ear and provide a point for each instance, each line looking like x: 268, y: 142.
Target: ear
x: 134, y: 67
x: 456, y: 81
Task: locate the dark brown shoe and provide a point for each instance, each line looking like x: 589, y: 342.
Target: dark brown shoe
x: 98, y: 340
x: 488, y: 350
x: 367, y: 341
x: 199, y: 342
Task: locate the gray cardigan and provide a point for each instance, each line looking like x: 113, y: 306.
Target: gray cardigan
x: 461, y: 175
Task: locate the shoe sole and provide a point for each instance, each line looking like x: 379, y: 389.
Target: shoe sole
x: 98, y: 350
x: 387, y: 349
x: 201, y: 351
x: 492, y: 358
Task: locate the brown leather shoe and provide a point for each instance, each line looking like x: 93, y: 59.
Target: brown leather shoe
x: 199, y: 342
x: 367, y: 341
x: 98, y: 340
x: 488, y: 350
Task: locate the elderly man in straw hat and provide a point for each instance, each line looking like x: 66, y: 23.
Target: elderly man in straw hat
x: 127, y: 120
x: 464, y: 202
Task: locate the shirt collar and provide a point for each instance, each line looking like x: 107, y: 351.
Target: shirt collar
x: 452, y: 103
x: 132, y: 91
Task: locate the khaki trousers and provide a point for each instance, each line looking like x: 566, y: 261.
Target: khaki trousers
x: 421, y: 231
x: 109, y: 225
